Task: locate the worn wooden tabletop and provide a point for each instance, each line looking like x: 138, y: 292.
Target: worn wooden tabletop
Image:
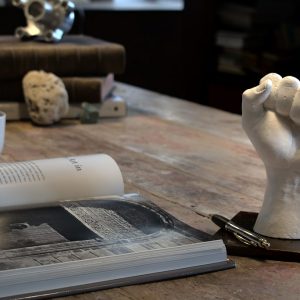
x: 177, y: 154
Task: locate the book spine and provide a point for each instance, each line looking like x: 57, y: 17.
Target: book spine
x: 80, y: 89
x: 88, y: 89
x: 73, y: 61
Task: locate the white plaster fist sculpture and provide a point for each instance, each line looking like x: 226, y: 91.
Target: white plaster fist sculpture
x: 271, y: 119
x: 46, y: 97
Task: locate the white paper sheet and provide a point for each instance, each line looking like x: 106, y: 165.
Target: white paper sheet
x: 46, y: 182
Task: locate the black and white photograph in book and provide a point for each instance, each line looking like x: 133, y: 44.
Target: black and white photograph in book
x: 87, y: 229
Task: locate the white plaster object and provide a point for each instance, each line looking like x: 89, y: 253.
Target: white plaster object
x: 271, y: 119
x: 46, y: 97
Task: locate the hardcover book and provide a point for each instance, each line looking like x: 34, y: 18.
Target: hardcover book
x: 67, y: 227
x: 111, y: 107
x: 80, y: 89
x: 75, y: 55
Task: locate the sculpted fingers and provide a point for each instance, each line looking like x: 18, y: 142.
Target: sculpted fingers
x: 284, y: 95
x: 284, y: 98
x: 275, y: 78
x: 252, y: 105
x: 254, y: 98
x: 295, y: 109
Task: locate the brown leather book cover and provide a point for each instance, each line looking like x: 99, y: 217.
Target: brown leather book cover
x: 75, y: 55
x: 280, y: 249
x: 80, y: 89
x: 88, y: 89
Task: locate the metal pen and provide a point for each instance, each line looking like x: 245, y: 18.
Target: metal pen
x: 244, y: 235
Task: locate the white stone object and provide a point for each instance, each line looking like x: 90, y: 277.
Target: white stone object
x: 271, y: 119
x: 46, y: 97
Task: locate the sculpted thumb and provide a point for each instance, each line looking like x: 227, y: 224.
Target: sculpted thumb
x: 254, y: 98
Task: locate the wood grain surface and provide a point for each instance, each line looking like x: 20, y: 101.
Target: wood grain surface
x: 177, y: 154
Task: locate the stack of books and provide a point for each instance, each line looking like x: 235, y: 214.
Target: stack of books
x: 85, y: 64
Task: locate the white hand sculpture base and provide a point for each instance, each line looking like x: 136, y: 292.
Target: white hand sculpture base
x: 271, y: 119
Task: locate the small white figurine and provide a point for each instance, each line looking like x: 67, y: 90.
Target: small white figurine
x: 46, y: 97
x: 271, y: 119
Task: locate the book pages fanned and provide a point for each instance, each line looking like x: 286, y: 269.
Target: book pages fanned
x: 86, y: 245
x: 46, y: 182
x: 66, y: 227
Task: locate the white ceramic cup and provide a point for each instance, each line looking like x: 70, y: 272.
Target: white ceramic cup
x: 2, y: 129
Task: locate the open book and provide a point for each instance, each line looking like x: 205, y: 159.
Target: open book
x: 67, y: 227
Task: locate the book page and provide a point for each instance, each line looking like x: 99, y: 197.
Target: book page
x: 49, y: 181
x: 80, y: 230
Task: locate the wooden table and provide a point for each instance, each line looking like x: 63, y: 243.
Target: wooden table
x: 177, y: 154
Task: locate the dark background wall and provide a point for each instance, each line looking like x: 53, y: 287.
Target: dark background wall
x: 252, y: 38
x: 208, y: 53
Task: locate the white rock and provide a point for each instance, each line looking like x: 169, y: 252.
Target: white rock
x: 46, y: 97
